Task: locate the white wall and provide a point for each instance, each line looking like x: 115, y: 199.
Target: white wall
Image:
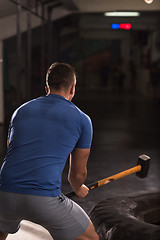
x: 1, y: 84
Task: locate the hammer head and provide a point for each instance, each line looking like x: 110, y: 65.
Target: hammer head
x: 144, y: 161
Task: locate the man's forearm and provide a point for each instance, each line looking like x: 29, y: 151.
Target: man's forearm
x: 78, y: 169
x: 77, y: 180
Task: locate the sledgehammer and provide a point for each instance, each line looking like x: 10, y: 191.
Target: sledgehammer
x: 141, y: 171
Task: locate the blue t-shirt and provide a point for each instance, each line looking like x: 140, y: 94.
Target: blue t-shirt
x: 42, y: 134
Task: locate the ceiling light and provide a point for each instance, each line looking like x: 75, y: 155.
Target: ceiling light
x: 122, y: 14
x: 148, y: 1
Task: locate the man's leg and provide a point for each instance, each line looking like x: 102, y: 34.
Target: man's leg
x: 3, y: 235
x: 89, y: 234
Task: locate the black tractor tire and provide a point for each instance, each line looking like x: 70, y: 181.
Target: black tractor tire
x: 128, y: 217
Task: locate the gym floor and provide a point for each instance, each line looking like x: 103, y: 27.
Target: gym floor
x: 125, y: 126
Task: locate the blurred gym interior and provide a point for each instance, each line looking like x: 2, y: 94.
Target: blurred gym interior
x: 117, y: 60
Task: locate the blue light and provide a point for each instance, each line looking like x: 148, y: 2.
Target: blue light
x: 115, y: 26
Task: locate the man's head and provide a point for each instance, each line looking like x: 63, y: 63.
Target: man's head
x: 61, y: 77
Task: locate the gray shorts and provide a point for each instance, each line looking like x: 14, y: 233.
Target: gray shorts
x: 62, y: 217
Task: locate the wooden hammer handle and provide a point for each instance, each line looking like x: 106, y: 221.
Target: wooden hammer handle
x: 110, y: 179
x: 119, y: 175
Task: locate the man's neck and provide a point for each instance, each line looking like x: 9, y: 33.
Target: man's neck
x: 61, y: 93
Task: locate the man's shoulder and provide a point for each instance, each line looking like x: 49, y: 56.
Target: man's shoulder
x: 30, y: 103
x: 76, y: 108
x: 24, y: 107
x: 82, y: 114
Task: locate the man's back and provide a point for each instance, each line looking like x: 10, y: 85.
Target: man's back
x: 42, y: 134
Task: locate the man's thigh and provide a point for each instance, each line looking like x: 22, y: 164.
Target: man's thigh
x: 67, y: 221
x: 9, y: 221
x: 62, y: 217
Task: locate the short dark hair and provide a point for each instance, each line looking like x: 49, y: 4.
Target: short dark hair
x: 60, y: 75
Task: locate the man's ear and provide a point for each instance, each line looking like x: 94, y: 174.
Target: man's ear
x: 47, y: 89
x: 72, y: 89
x: 71, y: 92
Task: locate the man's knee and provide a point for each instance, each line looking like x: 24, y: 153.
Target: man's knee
x: 89, y: 234
x: 3, y: 235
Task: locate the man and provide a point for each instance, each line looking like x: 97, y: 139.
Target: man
x: 42, y: 134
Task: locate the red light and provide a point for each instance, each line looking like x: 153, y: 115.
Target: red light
x: 121, y: 26
x: 126, y: 26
